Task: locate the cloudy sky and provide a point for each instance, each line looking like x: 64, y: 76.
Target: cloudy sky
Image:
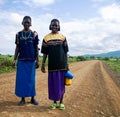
x: 90, y: 26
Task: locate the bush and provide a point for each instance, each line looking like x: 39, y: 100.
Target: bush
x: 6, y: 64
x: 81, y: 58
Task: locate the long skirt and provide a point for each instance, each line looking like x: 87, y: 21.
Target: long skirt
x: 56, y: 85
x: 25, y: 79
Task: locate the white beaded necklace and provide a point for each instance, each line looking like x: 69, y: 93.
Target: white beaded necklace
x: 26, y: 37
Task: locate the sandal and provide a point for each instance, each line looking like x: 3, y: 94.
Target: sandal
x: 21, y: 103
x: 53, y: 106
x: 62, y: 106
x: 34, y: 102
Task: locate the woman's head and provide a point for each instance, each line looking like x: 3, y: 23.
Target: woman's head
x: 26, y: 22
x: 54, y: 25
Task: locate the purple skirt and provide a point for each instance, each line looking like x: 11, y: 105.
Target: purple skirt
x: 56, y: 85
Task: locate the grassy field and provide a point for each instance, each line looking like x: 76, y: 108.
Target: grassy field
x: 114, y: 64
x: 6, y: 62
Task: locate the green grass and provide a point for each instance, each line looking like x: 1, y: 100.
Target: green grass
x: 114, y: 64
x: 6, y: 63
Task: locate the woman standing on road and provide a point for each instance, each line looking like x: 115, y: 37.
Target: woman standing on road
x: 27, y: 54
x: 55, y: 46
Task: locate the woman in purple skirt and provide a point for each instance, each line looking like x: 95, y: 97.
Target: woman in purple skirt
x: 55, y: 46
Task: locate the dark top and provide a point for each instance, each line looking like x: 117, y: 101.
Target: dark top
x: 27, y: 42
x: 56, y: 47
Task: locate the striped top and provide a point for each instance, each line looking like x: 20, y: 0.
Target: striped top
x: 56, y: 47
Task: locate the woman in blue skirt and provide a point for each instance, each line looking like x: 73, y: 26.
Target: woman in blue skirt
x: 26, y: 54
x: 55, y: 46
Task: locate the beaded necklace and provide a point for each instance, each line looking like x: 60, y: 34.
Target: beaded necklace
x: 25, y: 37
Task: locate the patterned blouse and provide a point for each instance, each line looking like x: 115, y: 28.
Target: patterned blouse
x: 27, y: 42
x: 56, y: 47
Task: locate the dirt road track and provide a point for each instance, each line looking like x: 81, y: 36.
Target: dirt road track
x: 93, y: 93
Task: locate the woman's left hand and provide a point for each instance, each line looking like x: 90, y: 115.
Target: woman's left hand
x: 37, y: 65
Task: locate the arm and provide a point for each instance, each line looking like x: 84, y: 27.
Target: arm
x: 66, y: 49
x: 67, y: 65
x: 15, y: 55
x: 43, y: 63
x: 36, y: 41
x: 37, y: 57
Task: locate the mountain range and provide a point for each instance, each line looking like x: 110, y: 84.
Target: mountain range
x: 109, y: 54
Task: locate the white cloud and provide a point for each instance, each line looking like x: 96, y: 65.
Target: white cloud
x: 36, y: 3
x: 44, y: 2
x: 95, y: 35
x: 15, y: 17
x: 91, y: 36
x: 111, y: 12
x: 11, y: 24
x: 99, y: 0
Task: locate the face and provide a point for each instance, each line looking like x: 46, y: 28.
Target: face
x: 54, y: 26
x: 26, y: 23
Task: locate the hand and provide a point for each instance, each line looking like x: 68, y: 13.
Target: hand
x: 68, y: 67
x: 43, y: 68
x: 14, y: 64
x: 37, y: 65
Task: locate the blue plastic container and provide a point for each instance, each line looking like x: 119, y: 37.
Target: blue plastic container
x: 69, y: 75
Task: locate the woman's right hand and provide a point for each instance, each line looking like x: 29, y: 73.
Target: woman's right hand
x: 43, y: 68
x: 14, y: 64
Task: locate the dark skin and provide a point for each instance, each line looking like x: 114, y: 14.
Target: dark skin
x: 54, y: 30
x: 26, y: 24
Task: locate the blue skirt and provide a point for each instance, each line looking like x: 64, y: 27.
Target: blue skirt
x: 56, y: 85
x: 25, y: 79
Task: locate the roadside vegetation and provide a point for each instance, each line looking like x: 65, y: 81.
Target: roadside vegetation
x: 114, y: 64
x: 6, y: 62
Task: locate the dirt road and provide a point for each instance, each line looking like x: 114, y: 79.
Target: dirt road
x: 95, y: 92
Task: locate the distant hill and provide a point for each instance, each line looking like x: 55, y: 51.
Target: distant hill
x: 109, y: 54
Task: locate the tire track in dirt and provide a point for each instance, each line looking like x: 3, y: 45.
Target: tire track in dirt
x: 112, y: 92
